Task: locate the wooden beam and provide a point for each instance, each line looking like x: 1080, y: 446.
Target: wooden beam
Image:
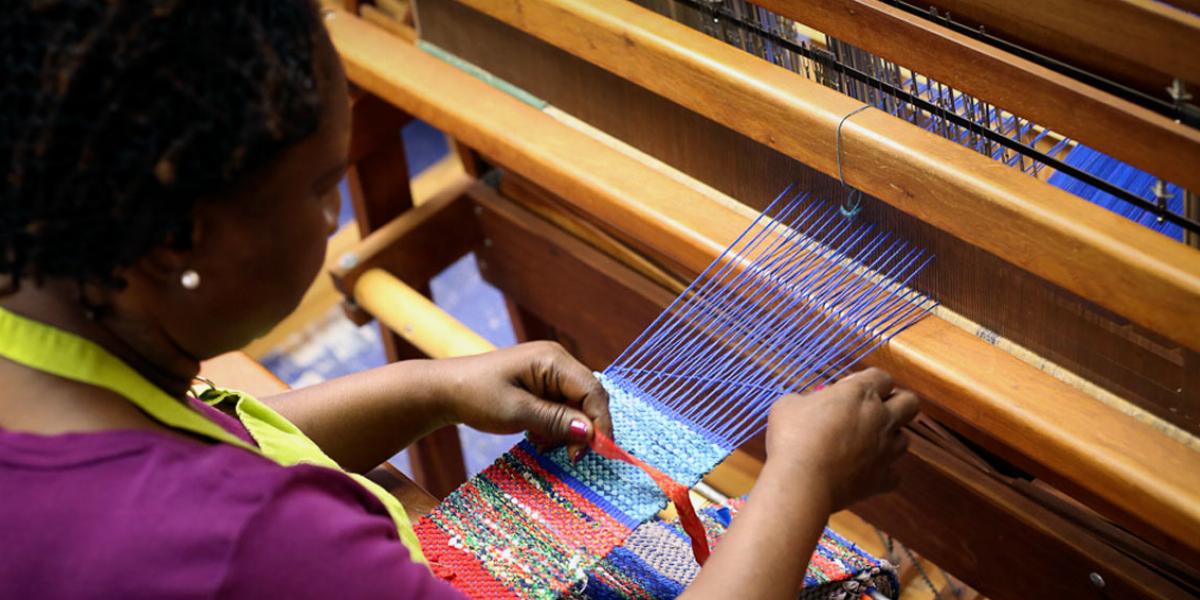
x: 1136, y: 135
x: 1097, y: 254
x: 1152, y: 481
x: 1142, y: 42
x: 416, y: 245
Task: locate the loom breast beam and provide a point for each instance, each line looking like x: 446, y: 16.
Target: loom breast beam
x: 1136, y: 273
x: 1125, y: 468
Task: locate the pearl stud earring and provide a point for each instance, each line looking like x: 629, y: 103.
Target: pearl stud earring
x: 190, y: 279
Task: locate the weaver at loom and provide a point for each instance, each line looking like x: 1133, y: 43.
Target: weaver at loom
x: 169, y: 174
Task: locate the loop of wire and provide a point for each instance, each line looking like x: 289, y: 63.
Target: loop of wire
x: 854, y: 202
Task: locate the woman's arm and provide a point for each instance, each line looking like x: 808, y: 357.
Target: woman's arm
x: 363, y: 419
x: 825, y: 451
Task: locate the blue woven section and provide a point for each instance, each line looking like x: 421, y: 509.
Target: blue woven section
x: 656, y: 438
x: 665, y: 548
x: 1124, y: 176
x: 652, y: 582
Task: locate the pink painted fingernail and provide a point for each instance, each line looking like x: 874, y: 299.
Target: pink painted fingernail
x: 579, y: 430
x: 579, y: 454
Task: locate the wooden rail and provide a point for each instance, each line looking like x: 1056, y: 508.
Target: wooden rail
x: 1139, y: 41
x: 1124, y: 468
x: 416, y: 318
x: 1114, y: 126
x: 1108, y: 259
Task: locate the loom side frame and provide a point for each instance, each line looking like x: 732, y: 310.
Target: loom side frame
x: 1122, y: 467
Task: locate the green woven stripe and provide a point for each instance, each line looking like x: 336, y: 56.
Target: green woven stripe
x: 482, y: 75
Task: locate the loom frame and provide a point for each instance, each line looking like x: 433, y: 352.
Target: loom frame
x: 1099, y: 255
x: 678, y: 241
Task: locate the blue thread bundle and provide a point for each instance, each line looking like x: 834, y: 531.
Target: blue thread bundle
x: 1124, y: 176
x: 794, y: 302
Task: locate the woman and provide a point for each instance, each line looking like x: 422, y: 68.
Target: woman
x: 170, y: 172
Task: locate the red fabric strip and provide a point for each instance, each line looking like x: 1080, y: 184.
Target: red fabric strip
x: 676, y: 492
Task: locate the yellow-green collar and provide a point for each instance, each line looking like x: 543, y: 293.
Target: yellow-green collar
x: 57, y: 352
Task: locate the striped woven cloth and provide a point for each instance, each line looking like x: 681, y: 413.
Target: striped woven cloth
x: 656, y: 562
x: 536, y: 525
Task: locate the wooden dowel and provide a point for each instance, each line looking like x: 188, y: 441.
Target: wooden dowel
x: 416, y: 318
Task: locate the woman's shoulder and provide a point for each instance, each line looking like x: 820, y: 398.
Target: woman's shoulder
x: 146, y: 515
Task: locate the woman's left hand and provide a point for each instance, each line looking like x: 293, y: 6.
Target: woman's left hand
x: 536, y: 387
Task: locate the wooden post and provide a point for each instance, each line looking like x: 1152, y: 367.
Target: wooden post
x: 379, y: 192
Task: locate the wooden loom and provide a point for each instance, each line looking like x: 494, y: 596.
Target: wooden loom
x: 1060, y: 460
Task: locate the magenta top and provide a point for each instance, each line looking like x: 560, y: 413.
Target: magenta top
x: 141, y: 514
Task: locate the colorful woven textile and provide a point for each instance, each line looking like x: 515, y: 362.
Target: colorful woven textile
x: 655, y: 563
x: 536, y: 525
x: 532, y: 524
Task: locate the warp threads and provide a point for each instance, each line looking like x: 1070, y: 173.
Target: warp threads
x: 798, y: 298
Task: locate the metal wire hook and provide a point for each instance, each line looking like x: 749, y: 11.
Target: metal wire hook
x: 854, y: 202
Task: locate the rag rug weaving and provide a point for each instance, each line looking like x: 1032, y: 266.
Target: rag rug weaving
x: 656, y: 563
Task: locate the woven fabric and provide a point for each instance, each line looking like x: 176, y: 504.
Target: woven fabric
x: 532, y: 523
x: 536, y: 525
x: 655, y: 563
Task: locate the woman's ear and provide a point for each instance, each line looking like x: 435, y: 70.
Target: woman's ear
x: 166, y: 262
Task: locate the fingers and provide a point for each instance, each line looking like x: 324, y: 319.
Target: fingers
x: 902, y: 407
x: 575, y: 385
x: 872, y: 379
x: 549, y: 422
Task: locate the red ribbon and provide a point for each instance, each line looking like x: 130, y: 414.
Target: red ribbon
x: 676, y: 492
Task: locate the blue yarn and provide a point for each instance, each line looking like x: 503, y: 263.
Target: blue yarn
x: 675, y: 449
x: 1122, y: 175
x: 794, y: 301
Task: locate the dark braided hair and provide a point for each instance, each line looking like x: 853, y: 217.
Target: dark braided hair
x: 118, y: 116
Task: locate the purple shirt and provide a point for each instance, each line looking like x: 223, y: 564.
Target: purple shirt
x: 142, y: 514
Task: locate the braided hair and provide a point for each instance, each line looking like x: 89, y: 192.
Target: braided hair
x: 118, y: 116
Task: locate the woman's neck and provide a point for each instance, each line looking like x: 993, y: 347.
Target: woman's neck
x: 136, y: 342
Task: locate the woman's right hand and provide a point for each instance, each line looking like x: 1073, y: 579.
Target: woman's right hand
x: 845, y: 437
